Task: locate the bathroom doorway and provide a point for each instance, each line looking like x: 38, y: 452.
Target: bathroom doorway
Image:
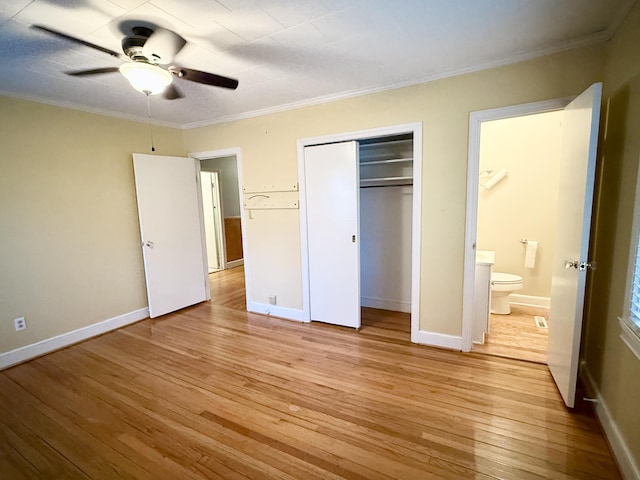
x: 516, y: 199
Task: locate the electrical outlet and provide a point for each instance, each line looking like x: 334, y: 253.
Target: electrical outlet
x: 20, y: 323
x: 273, y: 299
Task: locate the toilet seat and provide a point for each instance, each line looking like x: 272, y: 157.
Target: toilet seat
x: 498, y: 278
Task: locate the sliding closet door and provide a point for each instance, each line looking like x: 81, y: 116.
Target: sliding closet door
x: 331, y: 185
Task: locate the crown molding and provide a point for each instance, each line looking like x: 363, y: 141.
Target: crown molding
x: 86, y: 109
x: 620, y: 18
x: 593, y: 39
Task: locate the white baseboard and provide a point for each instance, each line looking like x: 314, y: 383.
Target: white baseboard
x: 621, y: 452
x: 276, y: 311
x: 437, y: 340
x: 530, y: 300
x: 234, y: 263
x: 49, y: 345
x: 386, y: 304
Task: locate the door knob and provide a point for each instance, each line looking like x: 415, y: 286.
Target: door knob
x: 581, y: 266
x: 584, y: 265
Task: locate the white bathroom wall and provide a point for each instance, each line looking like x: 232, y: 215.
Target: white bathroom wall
x: 523, y: 205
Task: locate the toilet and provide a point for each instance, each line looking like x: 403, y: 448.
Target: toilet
x: 502, y: 286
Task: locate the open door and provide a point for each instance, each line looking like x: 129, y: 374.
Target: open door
x: 580, y: 140
x: 170, y: 228
x: 332, y: 196
x: 212, y: 206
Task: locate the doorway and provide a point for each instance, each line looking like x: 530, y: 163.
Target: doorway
x: 519, y: 166
x: 514, y: 158
x: 221, y: 211
x: 573, y: 209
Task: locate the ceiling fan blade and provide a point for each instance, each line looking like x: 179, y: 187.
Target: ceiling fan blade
x: 172, y: 93
x: 94, y: 71
x: 204, y: 77
x: 162, y: 46
x: 76, y: 40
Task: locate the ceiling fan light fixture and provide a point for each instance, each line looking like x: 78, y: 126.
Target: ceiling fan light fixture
x: 146, y: 78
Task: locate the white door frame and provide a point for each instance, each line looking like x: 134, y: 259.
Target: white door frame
x: 416, y: 225
x: 227, y: 152
x: 475, y: 121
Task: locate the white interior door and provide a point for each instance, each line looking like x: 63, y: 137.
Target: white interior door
x: 331, y: 181
x: 212, y: 219
x: 170, y: 228
x: 580, y: 139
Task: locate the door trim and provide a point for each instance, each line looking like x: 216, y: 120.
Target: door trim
x: 416, y: 225
x: 475, y: 121
x: 227, y: 152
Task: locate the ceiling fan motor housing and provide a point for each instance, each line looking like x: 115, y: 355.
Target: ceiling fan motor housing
x: 132, y: 47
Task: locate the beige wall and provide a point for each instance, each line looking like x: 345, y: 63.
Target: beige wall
x: 613, y: 368
x: 71, y: 256
x: 68, y: 220
x: 524, y: 204
x: 69, y: 251
x: 269, y: 155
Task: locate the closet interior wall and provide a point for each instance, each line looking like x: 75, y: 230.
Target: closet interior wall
x: 386, y: 193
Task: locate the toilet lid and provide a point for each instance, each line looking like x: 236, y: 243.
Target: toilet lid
x: 505, y: 278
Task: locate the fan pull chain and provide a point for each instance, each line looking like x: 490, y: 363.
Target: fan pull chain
x: 153, y: 148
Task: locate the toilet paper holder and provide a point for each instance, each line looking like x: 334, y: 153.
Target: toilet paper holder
x: 524, y: 241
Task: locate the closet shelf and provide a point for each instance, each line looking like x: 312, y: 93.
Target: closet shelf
x: 385, y: 142
x: 386, y: 181
x: 382, y: 162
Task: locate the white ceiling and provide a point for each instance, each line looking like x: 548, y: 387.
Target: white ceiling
x: 284, y: 53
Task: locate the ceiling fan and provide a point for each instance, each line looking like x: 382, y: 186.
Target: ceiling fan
x: 147, y: 51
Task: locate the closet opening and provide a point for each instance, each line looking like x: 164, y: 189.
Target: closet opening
x: 360, y: 224
x: 386, y: 212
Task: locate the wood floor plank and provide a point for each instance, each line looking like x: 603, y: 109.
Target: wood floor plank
x: 516, y: 335
x: 36, y: 457
x: 215, y: 392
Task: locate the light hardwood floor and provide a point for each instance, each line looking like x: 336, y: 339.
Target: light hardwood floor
x: 516, y: 335
x: 212, y: 392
